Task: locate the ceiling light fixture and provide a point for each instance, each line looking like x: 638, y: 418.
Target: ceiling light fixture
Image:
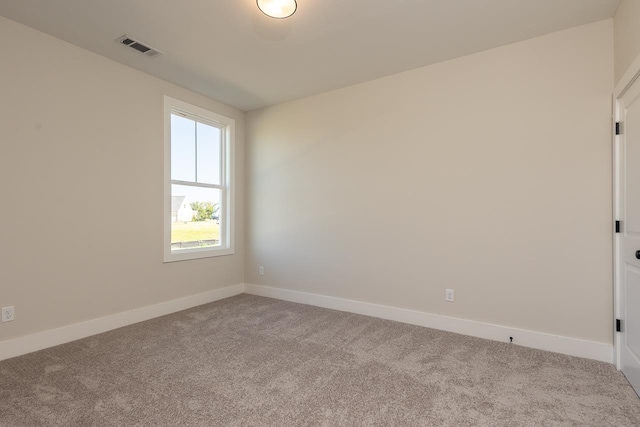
x: 278, y: 9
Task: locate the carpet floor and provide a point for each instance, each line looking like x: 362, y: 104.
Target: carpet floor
x: 253, y: 361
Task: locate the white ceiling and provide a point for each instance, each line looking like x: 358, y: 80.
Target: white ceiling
x: 228, y: 50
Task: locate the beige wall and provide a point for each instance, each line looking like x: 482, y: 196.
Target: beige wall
x: 489, y: 174
x: 82, y: 138
x: 626, y: 35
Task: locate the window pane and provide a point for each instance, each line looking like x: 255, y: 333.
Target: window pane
x: 183, y: 148
x: 195, y: 217
x: 208, y: 154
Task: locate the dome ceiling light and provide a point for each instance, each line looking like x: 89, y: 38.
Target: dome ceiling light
x: 278, y: 9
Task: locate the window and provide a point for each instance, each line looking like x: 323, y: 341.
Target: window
x: 198, y: 171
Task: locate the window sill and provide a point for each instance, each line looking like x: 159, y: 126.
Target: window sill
x: 189, y: 254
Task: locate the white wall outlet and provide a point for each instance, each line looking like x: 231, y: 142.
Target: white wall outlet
x: 261, y: 270
x: 8, y: 314
x: 448, y: 295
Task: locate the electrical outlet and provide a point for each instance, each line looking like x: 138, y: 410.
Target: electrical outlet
x: 448, y: 295
x: 261, y: 271
x: 8, y: 314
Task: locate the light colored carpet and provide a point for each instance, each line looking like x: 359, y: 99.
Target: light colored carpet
x: 252, y: 361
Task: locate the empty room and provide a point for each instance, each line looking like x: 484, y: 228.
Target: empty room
x: 320, y: 213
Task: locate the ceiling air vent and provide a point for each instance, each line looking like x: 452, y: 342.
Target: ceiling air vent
x: 136, y: 45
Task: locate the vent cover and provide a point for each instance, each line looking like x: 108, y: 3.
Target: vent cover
x: 138, y: 46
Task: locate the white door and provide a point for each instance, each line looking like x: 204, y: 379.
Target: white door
x: 628, y: 240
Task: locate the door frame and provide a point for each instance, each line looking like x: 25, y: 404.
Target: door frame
x: 629, y: 78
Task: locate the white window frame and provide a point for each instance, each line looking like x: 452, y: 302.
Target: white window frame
x: 227, y: 184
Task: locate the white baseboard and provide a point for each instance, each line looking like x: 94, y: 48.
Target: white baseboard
x: 559, y: 344
x: 542, y: 341
x: 41, y: 340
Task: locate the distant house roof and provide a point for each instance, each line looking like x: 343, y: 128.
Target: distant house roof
x: 176, y: 202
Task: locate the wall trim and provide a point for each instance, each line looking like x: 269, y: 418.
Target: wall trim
x: 45, y: 339
x: 538, y: 340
